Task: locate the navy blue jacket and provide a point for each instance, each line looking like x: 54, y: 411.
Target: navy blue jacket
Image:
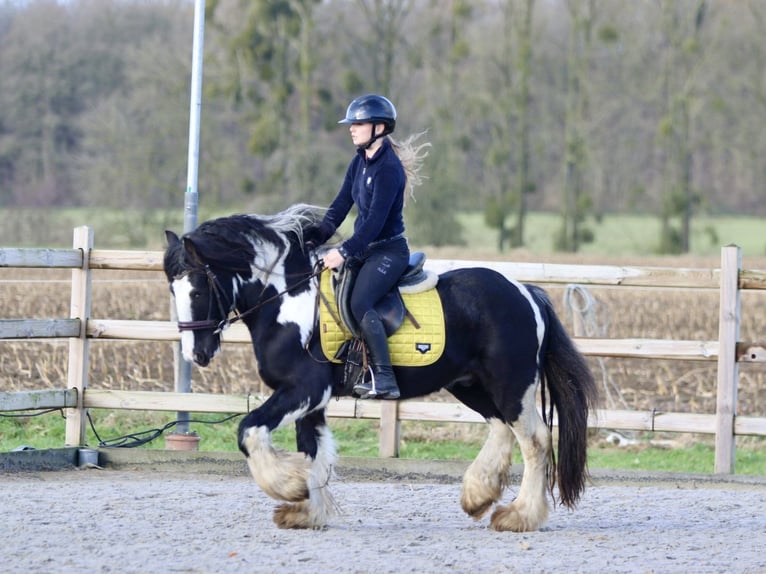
x: 376, y: 186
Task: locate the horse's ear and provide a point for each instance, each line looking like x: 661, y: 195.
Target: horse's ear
x: 191, y: 251
x: 171, y: 238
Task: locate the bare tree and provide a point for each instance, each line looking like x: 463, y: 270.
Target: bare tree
x: 576, y: 200
x: 385, y: 19
x: 447, y: 48
x: 683, y: 51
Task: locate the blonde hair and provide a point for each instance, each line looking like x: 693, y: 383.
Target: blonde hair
x: 412, y: 155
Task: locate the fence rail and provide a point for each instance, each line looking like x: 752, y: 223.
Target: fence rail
x: 80, y: 329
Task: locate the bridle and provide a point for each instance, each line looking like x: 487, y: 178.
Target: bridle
x: 215, y: 286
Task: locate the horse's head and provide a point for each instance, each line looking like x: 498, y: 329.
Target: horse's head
x: 245, y: 260
x: 202, y: 300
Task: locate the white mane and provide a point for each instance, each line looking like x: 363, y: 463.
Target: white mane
x: 270, y: 260
x: 295, y: 218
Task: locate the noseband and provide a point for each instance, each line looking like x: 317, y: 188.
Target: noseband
x: 215, y: 287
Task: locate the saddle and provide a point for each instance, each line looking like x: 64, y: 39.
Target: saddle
x: 417, y: 342
x: 391, y: 308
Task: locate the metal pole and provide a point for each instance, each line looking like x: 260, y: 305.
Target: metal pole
x: 183, y: 367
x: 195, y: 108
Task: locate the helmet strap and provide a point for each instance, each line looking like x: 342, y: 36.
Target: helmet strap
x: 375, y: 136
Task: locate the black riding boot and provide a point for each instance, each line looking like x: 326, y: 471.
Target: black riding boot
x: 383, y: 384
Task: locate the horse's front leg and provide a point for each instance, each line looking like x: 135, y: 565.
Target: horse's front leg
x: 314, y: 438
x: 280, y: 474
x: 284, y: 475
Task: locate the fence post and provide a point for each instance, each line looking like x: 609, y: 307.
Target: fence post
x: 728, y: 369
x: 78, y: 347
x: 389, y: 429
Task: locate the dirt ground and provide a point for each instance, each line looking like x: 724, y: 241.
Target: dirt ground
x: 133, y: 521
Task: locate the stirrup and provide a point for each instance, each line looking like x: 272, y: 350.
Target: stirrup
x: 366, y: 390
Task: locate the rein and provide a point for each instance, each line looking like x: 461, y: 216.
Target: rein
x: 215, y: 286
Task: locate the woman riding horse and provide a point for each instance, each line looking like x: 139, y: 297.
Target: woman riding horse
x: 375, y: 182
x: 503, y: 341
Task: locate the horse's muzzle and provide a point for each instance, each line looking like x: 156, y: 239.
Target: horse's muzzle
x: 201, y: 359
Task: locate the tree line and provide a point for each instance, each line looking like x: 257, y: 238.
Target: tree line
x: 583, y: 107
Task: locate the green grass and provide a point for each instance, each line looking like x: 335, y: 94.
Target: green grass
x: 697, y: 458
x: 615, y: 234
x: 627, y: 235
x: 359, y: 438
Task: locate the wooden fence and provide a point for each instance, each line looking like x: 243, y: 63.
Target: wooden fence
x: 80, y: 328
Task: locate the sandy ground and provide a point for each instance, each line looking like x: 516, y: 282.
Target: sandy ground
x: 136, y: 521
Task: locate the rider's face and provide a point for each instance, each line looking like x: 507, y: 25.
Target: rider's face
x: 361, y: 133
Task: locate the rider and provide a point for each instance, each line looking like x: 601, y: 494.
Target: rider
x: 375, y: 182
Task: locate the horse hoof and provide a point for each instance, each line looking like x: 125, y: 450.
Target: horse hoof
x: 478, y: 496
x: 475, y: 509
x: 512, y: 518
x: 295, y: 516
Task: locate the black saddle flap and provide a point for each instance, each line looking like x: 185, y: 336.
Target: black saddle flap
x: 391, y: 311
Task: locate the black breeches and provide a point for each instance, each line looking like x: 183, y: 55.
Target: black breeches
x: 381, y: 269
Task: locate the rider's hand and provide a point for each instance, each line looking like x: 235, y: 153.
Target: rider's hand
x: 333, y: 259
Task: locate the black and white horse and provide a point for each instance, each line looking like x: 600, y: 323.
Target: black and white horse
x: 503, y: 341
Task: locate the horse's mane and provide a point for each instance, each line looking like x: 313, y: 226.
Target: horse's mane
x: 231, y: 242
x: 294, y: 219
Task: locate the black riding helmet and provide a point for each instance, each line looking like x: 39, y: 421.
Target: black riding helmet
x: 374, y: 109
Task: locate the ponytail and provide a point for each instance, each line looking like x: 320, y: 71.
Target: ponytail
x: 412, y: 155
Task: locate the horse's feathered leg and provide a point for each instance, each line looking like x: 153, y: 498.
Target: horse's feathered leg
x: 315, y: 439
x: 281, y: 475
x: 487, y: 476
x: 529, y: 510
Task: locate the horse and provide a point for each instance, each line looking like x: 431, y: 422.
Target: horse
x: 503, y: 341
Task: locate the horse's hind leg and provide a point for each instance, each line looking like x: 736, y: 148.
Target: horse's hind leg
x: 315, y: 439
x: 529, y: 510
x: 487, y: 476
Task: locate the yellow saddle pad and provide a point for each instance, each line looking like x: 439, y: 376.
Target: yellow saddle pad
x: 410, y: 346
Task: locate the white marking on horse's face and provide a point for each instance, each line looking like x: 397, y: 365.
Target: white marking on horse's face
x: 182, y: 289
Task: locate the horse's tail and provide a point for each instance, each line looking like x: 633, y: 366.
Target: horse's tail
x: 573, y: 392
